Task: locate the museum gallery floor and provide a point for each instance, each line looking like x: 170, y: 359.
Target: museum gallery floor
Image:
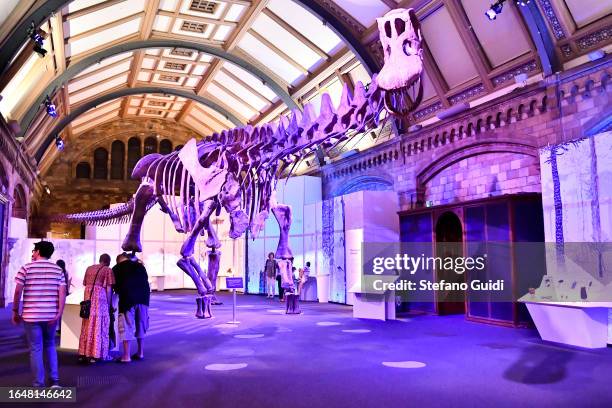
x: 326, y: 358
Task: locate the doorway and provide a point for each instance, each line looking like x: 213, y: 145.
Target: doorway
x: 449, y: 244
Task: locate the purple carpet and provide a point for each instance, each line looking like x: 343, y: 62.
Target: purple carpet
x: 325, y: 358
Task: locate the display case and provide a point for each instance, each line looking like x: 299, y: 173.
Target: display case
x: 496, y: 226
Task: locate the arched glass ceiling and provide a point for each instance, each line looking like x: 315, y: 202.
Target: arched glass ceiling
x: 294, y: 47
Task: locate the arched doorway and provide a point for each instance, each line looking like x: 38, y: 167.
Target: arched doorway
x: 449, y: 244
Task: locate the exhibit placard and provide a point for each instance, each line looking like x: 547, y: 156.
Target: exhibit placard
x: 234, y: 283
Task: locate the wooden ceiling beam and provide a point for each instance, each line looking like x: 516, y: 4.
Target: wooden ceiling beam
x: 477, y: 54
x: 146, y: 27
x: 247, y: 20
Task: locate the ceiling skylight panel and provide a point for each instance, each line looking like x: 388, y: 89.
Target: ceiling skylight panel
x: 168, y: 5
x: 242, y: 91
x: 250, y: 80
x: 144, y: 76
x: 272, y: 60
x: 306, y: 23
x: 162, y: 23
x: 103, y: 37
x: 222, y: 33
x: 231, y: 101
x: 99, y: 76
x: 286, y: 42
x: 364, y: 11
x: 98, y: 89
x: 192, y: 82
x: 101, y: 17
x: 216, y: 115
x: 199, y: 69
x: 96, y: 112
x: 93, y: 123
x: 77, y: 5
x: 148, y: 63
x: 105, y: 62
x: 235, y: 12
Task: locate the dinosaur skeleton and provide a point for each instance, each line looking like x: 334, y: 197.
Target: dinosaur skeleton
x: 238, y: 169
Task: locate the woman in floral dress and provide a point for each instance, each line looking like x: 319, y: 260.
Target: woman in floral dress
x: 94, y: 339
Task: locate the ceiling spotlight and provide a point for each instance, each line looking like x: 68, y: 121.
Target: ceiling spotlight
x: 59, y: 143
x: 51, y: 110
x: 47, y: 190
x: 522, y: 2
x: 494, y: 10
x: 38, y: 40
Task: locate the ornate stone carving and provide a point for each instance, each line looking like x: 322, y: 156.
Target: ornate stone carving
x: 429, y: 110
x: 566, y: 50
x: 595, y: 38
x: 467, y: 94
x: 550, y: 15
x: 509, y: 75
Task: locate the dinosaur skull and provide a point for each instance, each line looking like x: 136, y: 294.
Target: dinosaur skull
x: 400, y: 35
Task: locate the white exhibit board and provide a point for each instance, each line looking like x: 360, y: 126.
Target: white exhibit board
x: 370, y: 217
x: 301, y: 193
x: 161, y: 250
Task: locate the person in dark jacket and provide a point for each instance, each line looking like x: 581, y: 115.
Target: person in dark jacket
x: 132, y: 287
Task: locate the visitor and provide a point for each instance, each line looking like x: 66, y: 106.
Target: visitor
x: 279, y: 280
x: 94, y: 339
x: 270, y: 270
x: 67, y: 278
x: 295, y: 275
x: 40, y: 315
x: 304, y: 275
x: 132, y: 286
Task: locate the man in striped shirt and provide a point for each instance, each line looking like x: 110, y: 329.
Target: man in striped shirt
x: 44, y: 294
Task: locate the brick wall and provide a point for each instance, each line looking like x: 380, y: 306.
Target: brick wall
x: 489, y: 150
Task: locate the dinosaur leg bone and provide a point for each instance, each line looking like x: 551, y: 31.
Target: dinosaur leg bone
x: 282, y: 213
x: 214, y: 260
x: 189, y: 265
x: 142, y: 200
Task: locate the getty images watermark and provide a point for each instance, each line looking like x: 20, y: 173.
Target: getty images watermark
x: 499, y: 271
x: 405, y: 263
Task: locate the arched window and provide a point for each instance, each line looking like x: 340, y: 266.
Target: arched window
x: 83, y: 170
x: 20, y: 206
x: 150, y: 145
x: 3, y: 181
x: 133, y: 154
x: 165, y: 146
x: 117, y: 160
x: 101, y: 163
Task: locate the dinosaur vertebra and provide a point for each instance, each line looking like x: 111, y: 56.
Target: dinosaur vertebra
x: 238, y: 169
